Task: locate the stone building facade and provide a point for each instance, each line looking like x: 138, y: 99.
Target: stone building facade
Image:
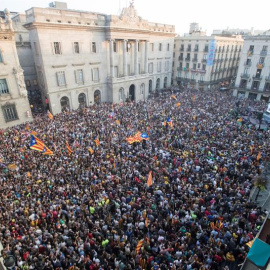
x: 86, y: 57
x: 253, y: 77
x: 14, y: 104
x: 206, y: 62
x: 26, y: 59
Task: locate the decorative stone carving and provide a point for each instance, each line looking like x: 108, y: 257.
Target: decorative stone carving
x: 18, y: 73
x: 130, y: 13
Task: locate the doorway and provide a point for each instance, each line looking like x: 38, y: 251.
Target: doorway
x: 132, y: 92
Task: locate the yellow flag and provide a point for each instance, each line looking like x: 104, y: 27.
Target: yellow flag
x: 117, y: 122
x: 91, y: 150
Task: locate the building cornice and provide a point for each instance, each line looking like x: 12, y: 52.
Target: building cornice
x: 94, y: 63
x: 79, y: 64
x: 58, y: 66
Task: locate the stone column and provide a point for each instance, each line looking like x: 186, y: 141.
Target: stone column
x: 146, y: 57
x: 125, y: 57
x: 111, y: 58
x: 136, y: 57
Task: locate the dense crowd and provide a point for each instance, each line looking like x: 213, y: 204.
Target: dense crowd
x: 96, y: 211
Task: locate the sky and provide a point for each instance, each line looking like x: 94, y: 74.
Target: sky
x: 210, y: 14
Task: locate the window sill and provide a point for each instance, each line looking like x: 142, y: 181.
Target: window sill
x: 7, y: 121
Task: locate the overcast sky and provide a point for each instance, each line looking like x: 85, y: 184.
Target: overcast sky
x: 210, y: 14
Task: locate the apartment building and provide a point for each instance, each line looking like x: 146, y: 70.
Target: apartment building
x: 253, y: 77
x: 206, y: 62
x: 86, y: 57
x: 14, y: 104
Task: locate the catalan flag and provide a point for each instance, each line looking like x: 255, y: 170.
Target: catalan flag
x: 27, y: 126
x: 68, y: 148
x: 33, y: 133
x: 137, y: 137
x: 36, y: 144
x: 91, y: 150
x: 240, y: 120
x: 97, y: 141
x: 259, y: 156
x: 250, y: 243
x: 150, y: 179
x: 139, y: 245
x: 117, y: 122
x: 47, y: 151
x: 50, y: 115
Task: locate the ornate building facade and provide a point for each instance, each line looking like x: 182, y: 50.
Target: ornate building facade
x: 206, y: 62
x: 85, y: 57
x: 14, y: 104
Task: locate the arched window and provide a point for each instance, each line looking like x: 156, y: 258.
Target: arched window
x: 158, y: 84
x: 97, y: 97
x: 64, y: 101
x: 142, y: 89
x: 165, y: 83
x: 82, y: 99
x: 150, y: 86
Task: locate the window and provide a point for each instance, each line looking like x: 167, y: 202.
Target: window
x: 167, y: 66
x: 95, y: 74
x: 1, y: 59
x: 205, y: 57
x: 57, y: 48
x: 159, y: 67
x: 204, y: 67
x: 152, y: 46
x: 187, y: 65
x: 261, y: 61
x: 181, y: 65
x: 182, y: 47
x: 61, y: 78
x: 114, y: 46
x: 3, y: 87
x: 10, y: 112
x: 79, y: 76
x: 168, y: 47
x: 93, y: 47
x: 194, y: 66
x: 202, y: 78
x: 35, y: 82
x: 150, y: 67
x: 76, y: 47
x: 160, y: 47
x: 199, y: 65
x: 27, y: 83
x: 138, y: 46
x: 264, y: 49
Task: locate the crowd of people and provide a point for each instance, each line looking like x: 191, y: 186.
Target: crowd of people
x: 83, y: 210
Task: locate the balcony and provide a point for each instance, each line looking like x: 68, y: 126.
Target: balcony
x: 244, y: 76
x: 267, y: 78
x: 195, y: 59
x: 260, y: 65
x: 204, y: 60
x: 226, y: 59
x: 256, y: 78
x: 182, y: 49
x: 248, y: 64
x: 263, y: 52
x: 205, y: 49
x: 179, y: 68
x: 189, y: 49
x: 181, y: 58
x: 250, y: 52
x: 187, y: 59
x: 196, y: 49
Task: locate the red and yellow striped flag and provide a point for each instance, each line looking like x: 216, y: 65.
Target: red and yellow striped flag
x: 259, y: 156
x: 150, y: 179
x: 68, y: 148
x: 146, y: 222
x: 178, y: 104
x: 50, y: 115
x: 139, y: 245
x: 47, y: 151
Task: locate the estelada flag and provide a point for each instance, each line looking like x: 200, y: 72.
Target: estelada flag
x: 33, y: 133
x: 150, y: 179
x: 47, y: 151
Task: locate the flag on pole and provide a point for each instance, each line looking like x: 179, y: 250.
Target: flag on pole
x: 68, y: 148
x: 150, y: 179
x: 169, y: 121
x: 91, y: 150
x: 50, y: 115
x: 97, y: 141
